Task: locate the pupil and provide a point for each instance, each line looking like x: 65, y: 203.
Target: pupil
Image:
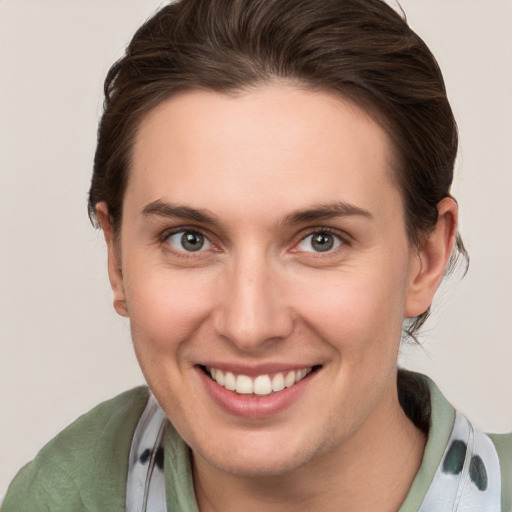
x: 322, y: 242
x: 192, y: 241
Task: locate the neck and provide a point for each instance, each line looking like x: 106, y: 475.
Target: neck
x: 372, y: 471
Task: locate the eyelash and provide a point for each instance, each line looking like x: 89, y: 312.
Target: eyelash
x: 337, y: 235
x: 163, y: 240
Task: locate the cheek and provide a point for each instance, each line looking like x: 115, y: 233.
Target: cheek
x: 166, y: 307
x: 356, y: 310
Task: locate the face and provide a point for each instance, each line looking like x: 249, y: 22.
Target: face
x: 266, y: 272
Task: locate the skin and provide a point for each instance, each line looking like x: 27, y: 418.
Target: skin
x: 260, y: 294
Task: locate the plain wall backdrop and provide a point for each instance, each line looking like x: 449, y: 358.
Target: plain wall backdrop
x: 63, y: 349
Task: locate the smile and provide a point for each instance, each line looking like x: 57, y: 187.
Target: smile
x: 260, y: 385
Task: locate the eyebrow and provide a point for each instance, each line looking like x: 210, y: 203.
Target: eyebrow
x: 161, y: 208
x: 325, y: 212
x: 164, y: 209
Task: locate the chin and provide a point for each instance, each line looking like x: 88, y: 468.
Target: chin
x: 278, y: 456
x: 258, y: 466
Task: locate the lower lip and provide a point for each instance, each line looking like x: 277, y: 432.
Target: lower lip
x: 254, y: 406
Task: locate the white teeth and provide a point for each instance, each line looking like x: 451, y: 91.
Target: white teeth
x: 219, y: 377
x: 261, y: 385
x: 244, y: 385
x: 301, y: 374
x: 278, y: 382
x: 229, y: 381
x: 289, y: 379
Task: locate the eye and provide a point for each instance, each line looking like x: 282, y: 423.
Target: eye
x: 188, y: 241
x: 319, y: 241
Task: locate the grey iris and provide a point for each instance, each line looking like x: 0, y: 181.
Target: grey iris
x: 322, y: 242
x: 192, y: 241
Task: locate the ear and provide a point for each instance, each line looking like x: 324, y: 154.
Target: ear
x: 115, y: 272
x: 431, y: 258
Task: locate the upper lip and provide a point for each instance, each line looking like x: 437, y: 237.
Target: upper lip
x: 258, y: 369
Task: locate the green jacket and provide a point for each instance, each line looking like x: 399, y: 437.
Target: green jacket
x: 85, y: 467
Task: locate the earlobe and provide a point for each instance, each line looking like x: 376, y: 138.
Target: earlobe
x: 115, y: 272
x: 431, y: 258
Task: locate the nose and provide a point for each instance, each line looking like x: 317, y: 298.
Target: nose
x: 253, y: 312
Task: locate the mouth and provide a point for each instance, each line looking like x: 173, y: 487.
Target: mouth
x: 260, y: 385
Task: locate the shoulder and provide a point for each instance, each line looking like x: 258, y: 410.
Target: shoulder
x: 85, y: 466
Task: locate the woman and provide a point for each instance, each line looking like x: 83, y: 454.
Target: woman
x: 273, y: 182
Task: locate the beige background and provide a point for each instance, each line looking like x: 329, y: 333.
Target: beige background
x: 62, y: 349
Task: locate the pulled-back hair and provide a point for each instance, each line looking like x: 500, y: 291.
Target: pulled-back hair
x: 360, y: 49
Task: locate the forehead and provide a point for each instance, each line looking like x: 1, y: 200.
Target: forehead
x: 277, y: 145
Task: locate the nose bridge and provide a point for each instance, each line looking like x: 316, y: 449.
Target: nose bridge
x: 253, y: 309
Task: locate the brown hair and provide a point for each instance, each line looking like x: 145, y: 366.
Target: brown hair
x: 361, y: 49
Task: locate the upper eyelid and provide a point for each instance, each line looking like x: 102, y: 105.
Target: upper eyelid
x: 166, y: 233
x: 342, y: 235
x: 215, y: 231
x: 322, y: 229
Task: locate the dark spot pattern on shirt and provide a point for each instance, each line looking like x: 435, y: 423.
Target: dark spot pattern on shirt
x: 146, y: 454
x: 454, y: 460
x: 159, y: 457
x: 478, y: 473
